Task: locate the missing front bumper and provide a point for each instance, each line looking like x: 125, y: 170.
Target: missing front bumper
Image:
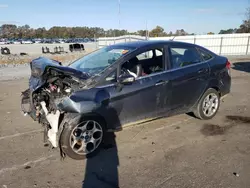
x: 53, y: 119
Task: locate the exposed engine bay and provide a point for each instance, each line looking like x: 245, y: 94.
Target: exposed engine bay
x: 47, y: 113
x: 47, y: 86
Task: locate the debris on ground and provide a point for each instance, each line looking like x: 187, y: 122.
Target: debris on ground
x: 27, y: 167
x: 5, y: 51
x: 57, y: 50
x: 23, y: 53
x: 76, y: 47
x: 236, y: 174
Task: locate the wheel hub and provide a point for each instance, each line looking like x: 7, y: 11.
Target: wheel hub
x: 87, y: 138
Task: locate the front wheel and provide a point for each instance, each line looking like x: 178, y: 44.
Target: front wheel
x: 82, y: 138
x: 208, y: 105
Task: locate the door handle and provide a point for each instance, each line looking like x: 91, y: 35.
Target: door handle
x: 201, y: 71
x: 161, y: 82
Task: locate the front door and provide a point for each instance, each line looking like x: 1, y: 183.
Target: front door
x: 146, y: 97
x: 139, y: 101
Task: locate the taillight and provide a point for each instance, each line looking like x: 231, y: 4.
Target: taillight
x: 228, y: 64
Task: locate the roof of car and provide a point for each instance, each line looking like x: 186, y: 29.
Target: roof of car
x: 144, y: 43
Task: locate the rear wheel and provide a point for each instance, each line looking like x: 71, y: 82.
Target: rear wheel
x: 82, y: 138
x: 208, y: 105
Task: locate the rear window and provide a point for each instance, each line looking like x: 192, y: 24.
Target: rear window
x: 205, y: 55
x: 184, y: 56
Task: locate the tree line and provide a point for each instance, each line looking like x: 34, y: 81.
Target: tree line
x: 13, y: 31
x: 243, y: 28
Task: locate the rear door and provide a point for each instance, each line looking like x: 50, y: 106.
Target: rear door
x: 189, y: 75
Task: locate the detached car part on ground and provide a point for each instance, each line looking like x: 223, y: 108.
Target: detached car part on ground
x: 5, y: 51
x: 76, y: 47
x: 78, y: 104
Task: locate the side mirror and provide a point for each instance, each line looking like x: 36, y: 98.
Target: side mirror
x: 126, y: 79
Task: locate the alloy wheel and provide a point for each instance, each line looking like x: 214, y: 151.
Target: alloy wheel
x: 86, y: 137
x: 210, y: 104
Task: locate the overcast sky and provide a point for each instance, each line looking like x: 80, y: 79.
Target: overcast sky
x: 198, y: 16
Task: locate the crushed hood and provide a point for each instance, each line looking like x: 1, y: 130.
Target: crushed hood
x: 40, y: 66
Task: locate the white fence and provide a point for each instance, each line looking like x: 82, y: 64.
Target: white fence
x: 224, y: 44
x: 113, y: 40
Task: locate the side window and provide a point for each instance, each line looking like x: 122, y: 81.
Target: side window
x: 110, y: 79
x: 145, y: 63
x: 149, y: 54
x: 182, y: 57
x: 145, y: 55
x: 158, y: 52
x: 206, y: 56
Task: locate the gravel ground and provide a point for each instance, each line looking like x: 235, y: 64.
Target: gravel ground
x: 179, y: 151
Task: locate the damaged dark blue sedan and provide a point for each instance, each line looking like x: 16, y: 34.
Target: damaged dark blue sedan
x: 120, y: 84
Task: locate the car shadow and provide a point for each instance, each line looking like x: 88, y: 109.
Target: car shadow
x: 191, y: 114
x: 242, y: 66
x: 102, y: 169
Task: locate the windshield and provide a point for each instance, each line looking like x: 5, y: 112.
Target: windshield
x: 94, y: 63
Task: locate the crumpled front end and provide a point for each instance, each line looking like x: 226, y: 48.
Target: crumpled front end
x: 49, y: 83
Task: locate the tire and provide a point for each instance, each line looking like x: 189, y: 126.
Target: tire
x: 199, y: 112
x: 5, y: 51
x: 71, y: 128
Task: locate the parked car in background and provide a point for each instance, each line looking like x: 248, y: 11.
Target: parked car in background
x: 48, y: 41
x: 37, y: 41
x: 16, y: 42
x: 92, y: 40
x: 5, y: 41
x: 2, y: 42
x: 26, y: 41
x: 61, y: 41
x: 120, y: 84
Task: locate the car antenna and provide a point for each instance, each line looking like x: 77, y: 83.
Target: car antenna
x: 172, y: 38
